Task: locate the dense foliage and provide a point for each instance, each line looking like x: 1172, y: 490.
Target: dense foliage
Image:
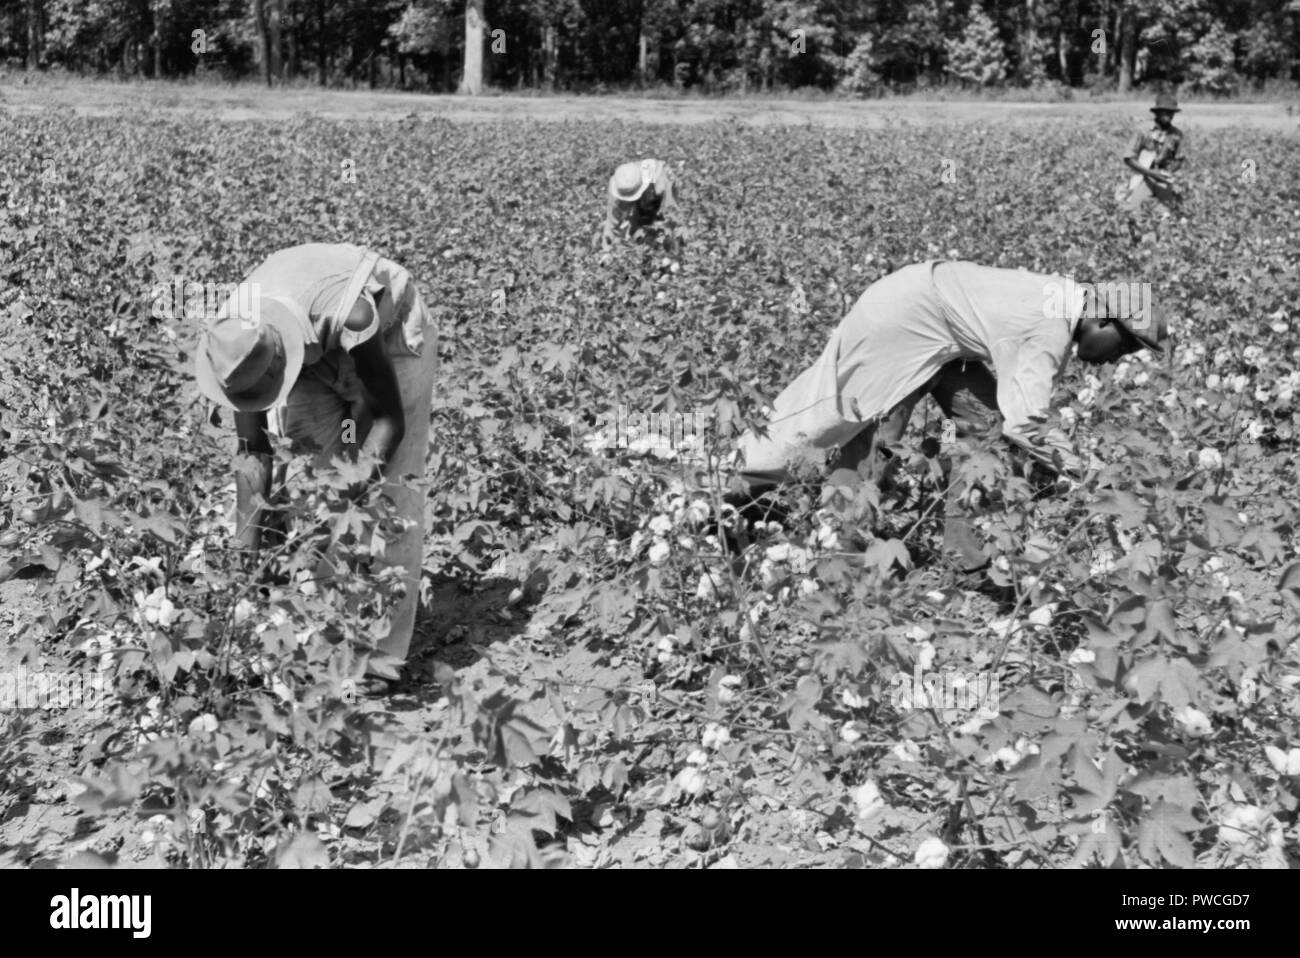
x: 1214, y: 46
x: 614, y: 669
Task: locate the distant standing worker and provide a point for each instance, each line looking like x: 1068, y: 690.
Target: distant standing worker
x: 1154, y: 156
x: 334, y: 342
x: 640, y: 196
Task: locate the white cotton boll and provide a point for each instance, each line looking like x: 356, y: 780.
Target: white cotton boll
x: 691, y: 781
x: 1213, y: 381
x: 983, y: 717
x: 715, y: 736
x: 1239, y: 382
x: 925, y: 655
x: 1252, y: 354
x: 1082, y: 657
x: 665, y: 648
x: 809, y: 586
x: 1068, y: 417
x: 1193, y: 721
x: 728, y: 688
x: 767, y: 573
x: 800, y: 560
x: 1210, y: 459
x: 661, y: 525
x: 906, y: 751
x: 932, y: 853
x: 1262, y: 394
x: 779, y: 552
x: 849, y: 734
x: 1141, y: 379
x: 659, y: 551
x: 204, y: 724
x: 852, y: 699
x: 1241, y: 824
x: 1286, y: 763
x: 639, y: 539
x: 867, y: 800
x: 697, y: 757
x: 828, y: 539
x: 1042, y: 616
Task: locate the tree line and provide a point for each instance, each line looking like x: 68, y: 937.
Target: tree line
x: 717, y: 46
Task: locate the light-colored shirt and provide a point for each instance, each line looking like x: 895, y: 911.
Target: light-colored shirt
x: 1168, y: 147
x: 907, y: 326
x: 326, y: 280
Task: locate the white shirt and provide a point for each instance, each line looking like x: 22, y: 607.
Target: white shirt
x: 908, y: 325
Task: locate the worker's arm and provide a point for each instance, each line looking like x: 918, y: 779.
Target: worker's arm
x: 252, y: 477
x: 1131, y: 161
x: 613, y: 219
x: 1026, y: 375
x: 386, y: 423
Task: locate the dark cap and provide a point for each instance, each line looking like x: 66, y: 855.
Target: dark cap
x: 1166, y: 101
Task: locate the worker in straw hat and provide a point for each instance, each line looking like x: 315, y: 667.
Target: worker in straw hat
x: 1154, y: 156
x: 936, y: 328
x: 329, y: 345
x: 640, y: 196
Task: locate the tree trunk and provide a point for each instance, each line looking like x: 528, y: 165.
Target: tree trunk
x: 32, y: 10
x: 642, y: 59
x: 471, y: 82
x: 274, y: 15
x: 291, y: 27
x: 1107, y: 57
x: 263, y: 40
x: 1028, y: 41
x: 1127, y: 47
x: 321, y: 65
x: 548, y: 55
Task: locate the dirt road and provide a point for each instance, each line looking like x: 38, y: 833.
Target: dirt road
x: 250, y: 102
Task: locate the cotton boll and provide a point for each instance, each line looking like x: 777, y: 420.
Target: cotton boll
x: 867, y: 800
x: 932, y: 853
x: 1193, y: 721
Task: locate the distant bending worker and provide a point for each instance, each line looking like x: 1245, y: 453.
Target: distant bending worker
x: 640, y: 196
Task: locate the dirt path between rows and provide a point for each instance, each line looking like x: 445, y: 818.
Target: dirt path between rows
x: 250, y: 102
